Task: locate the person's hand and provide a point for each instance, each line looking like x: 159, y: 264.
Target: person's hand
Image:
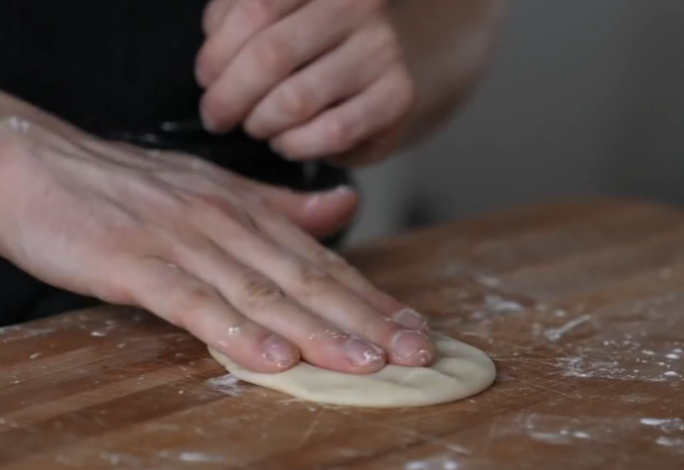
x: 315, y: 77
x: 200, y: 247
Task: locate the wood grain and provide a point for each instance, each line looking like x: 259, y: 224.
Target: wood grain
x: 579, y: 302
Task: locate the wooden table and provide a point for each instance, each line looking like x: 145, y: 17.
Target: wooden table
x: 581, y: 304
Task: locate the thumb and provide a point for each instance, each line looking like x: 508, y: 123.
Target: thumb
x: 320, y: 214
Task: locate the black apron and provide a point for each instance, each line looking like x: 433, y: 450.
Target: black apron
x: 122, y: 70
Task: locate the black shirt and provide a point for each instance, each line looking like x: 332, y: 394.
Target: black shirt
x: 119, y: 69
x: 122, y: 68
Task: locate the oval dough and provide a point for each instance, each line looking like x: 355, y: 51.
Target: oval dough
x: 460, y: 371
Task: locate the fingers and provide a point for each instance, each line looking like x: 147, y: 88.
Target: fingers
x: 273, y: 55
x: 190, y: 303
x: 263, y: 302
x: 320, y: 214
x: 230, y: 26
x: 308, y: 248
x: 342, y: 128
x: 333, y: 78
x: 319, y: 293
x: 214, y: 14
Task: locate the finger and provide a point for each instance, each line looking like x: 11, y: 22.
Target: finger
x: 320, y: 214
x: 262, y: 301
x: 273, y: 55
x: 340, y: 74
x: 374, y: 150
x: 319, y: 293
x: 184, y: 300
x: 345, y: 127
x: 241, y: 21
x: 214, y: 14
x: 332, y: 263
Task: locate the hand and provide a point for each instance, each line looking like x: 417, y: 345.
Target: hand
x: 200, y: 247
x: 315, y: 77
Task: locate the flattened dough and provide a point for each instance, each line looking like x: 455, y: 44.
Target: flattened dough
x: 460, y: 371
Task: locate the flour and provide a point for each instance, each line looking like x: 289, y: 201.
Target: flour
x: 227, y: 384
x: 19, y: 125
x: 670, y: 442
x: 664, y: 424
x: 487, y: 281
x: 188, y: 456
x: 556, y: 334
x: 496, y: 303
x: 21, y: 332
x: 441, y: 462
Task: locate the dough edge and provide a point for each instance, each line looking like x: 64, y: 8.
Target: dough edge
x: 460, y: 372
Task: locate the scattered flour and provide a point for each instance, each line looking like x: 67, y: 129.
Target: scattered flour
x: 556, y: 334
x: 442, y: 462
x: 670, y: 441
x: 496, y: 303
x: 487, y: 281
x: 192, y: 457
x: 665, y: 425
x: 227, y: 384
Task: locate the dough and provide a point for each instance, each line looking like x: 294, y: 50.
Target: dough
x: 460, y: 371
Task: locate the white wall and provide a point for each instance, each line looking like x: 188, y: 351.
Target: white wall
x: 585, y: 96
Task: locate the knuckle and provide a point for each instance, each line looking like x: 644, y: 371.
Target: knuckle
x: 329, y: 260
x: 193, y: 299
x: 273, y: 54
x: 258, y: 291
x: 298, y: 100
x: 210, y: 16
x: 340, y: 134
x: 250, y: 223
x: 116, y: 292
x: 212, y: 205
x: 259, y: 13
x: 310, y: 279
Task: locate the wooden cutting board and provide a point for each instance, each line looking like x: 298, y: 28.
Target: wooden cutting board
x: 580, y: 303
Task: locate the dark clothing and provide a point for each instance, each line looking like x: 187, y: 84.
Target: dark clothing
x: 121, y: 70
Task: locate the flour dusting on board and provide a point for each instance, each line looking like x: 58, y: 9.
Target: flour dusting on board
x: 22, y: 332
x: 189, y: 456
x: 226, y: 384
x: 555, y: 334
x: 440, y: 462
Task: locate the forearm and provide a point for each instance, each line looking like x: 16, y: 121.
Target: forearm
x: 448, y: 45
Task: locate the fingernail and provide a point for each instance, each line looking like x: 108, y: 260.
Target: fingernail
x: 279, y: 351
x: 410, y: 344
x: 361, y: 353
x: 411, y: 319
